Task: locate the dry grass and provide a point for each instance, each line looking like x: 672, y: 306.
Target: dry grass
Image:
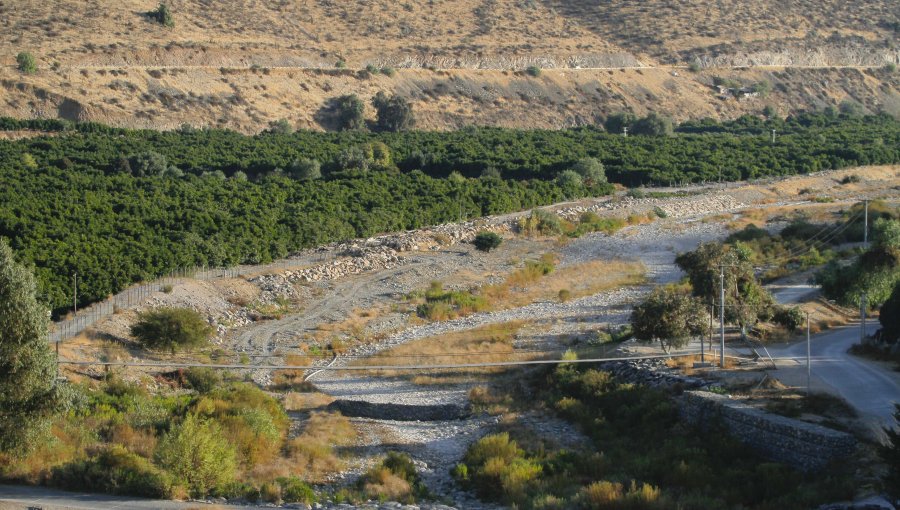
x: 311, y: 455
x: 485, y: 344
x: 523, y: 287
x: 294, y: 401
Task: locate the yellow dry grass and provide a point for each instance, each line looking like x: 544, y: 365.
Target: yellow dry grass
x: 294, y: 401
x: 579, y: 280
x: 311, y: 455
x: 485, y: 344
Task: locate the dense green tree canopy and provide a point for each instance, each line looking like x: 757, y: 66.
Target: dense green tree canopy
x: 28, y: 390
x: 670, y: 316
x: 120, y: 206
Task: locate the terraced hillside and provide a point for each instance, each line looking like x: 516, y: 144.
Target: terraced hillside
x: 242, y: 64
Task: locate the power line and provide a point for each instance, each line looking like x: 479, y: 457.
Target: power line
x: 376, y: 367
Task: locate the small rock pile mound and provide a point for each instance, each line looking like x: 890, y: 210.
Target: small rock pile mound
x: 678, y: 207
x: 653, y: 373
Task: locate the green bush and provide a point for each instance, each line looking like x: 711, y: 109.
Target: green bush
x: 350, y: 112
x: 26, y: 62
x: 162, y: 15
x: 534, y: 71
x: 487, y: 241
x: 114, y: 470
x: 295, y: 490
x: 202, y: 379
x: 393, y: 113
x: 197, y: 455
x: 171, y: 329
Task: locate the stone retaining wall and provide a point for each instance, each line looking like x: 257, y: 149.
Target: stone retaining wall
x: 806, y: 446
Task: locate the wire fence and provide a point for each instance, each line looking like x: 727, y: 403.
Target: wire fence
x: 77, y: 323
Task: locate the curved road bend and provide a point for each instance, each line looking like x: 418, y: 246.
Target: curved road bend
x: 870, y: 387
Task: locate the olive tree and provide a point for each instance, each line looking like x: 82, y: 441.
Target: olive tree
x: 171, y: 329
x: 29, y: 394
x: 670, y: 316
x: 591, y: 171
x: 393, y: 113
x: 350, y: 112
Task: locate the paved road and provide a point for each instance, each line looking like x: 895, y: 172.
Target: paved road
x: 18, y: 496
x: 870, y: 387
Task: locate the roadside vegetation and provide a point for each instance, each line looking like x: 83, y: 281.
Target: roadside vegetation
x: 641, y: 456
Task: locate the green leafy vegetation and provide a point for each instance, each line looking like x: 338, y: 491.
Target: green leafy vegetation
x: 393, y: 113
x: 171, y: 329
x: 29, y: 394
x: 26, y: 63
x: 671, y: 316
x: 874, y: 273
x: 152, y: 201
x: 162, y: 15
x: 641, y: 456
x: 746, y: 301
x: 487, y: 241
x: 228, y: 439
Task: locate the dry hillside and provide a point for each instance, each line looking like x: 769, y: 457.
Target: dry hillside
x: 243, y: 63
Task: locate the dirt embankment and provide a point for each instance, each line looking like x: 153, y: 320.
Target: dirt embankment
x: 249, y: 99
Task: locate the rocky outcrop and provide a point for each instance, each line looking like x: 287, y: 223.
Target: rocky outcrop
x: 399, y: 412
x: 805, y: 446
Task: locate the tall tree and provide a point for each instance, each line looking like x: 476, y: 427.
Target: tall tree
x: 670, y: 316
x: 746, y: 301
x: 28, y: 391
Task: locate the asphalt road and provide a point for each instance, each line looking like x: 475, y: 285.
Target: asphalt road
x: 21, y: 496
x: 870, y: 387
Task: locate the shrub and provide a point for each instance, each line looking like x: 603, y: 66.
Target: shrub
x: 393, y: 113
x: 533, y: 71
x: 570, y: 181
x: 197, y: 455
x: 395, y: 479
x: 694, y: 67
x: 305, y: 169
x: 162, y: 15
x: 350, y: 112
x: 26, y: 62
x: 636, y: 193
x: 202, y: 379
x: 591, y: 171
x: 171, y: 328
x: 295, y: 490
x: 660, y: 212
x: 388, y: 71
x: 281, y: 127
x: 850, y: 179
x: 114, y: 470
x: 487, y: 241
x: 564, y: 295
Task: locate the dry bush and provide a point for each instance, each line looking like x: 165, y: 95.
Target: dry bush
x: 312, y: 452
x: 140, y: 441
x: 385, y: 485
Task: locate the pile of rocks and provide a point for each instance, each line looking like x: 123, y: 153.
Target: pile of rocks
x: 651, y: 372
x: 681, y: 207
x: 376, y: 253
